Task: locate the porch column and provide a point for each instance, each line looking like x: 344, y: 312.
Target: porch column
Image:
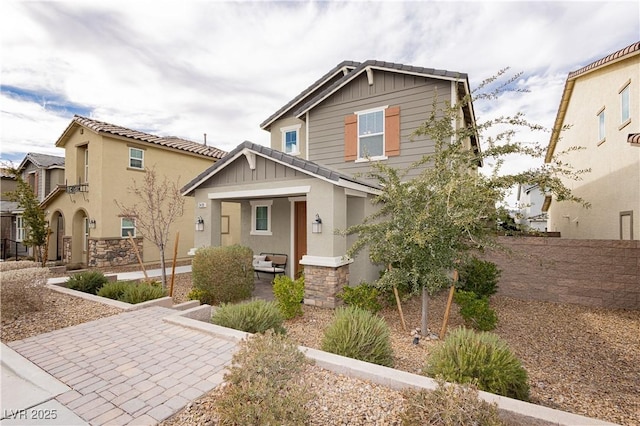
x: 213, y: 224
x: 324, y: 278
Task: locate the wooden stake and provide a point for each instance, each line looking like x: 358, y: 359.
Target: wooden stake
x: 395, y: 292
x: 452, y: 290
x: 135, y: 249
x: 173, y: 266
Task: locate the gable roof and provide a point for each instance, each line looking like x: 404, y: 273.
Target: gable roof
x: 305, y: 166
x: 622, y: 54
x: 173, y: 142
x: 342, y: 68
x: 43, y: 161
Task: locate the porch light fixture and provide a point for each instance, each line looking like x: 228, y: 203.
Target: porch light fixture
x: 316, y: 225
x: 92, y: 224
x: 199, y: 224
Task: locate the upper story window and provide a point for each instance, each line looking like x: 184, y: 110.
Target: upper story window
x: 372, y: 134
x: 20, y: 232
x: 625, y: 106
x: 127, y: 226
x: 136, y: 158
x: 261, y: 217
x: 601, y: 128
x: 86, y: 165
x: 291, y: 139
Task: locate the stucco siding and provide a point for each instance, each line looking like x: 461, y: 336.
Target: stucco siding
x: 414, y: 96
x: 613, y: 185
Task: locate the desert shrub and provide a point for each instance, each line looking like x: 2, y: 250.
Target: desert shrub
x: 262, y: 386
x: 20, y: 264
x: 359, y: 334
x: 142, y: 292
x: 476, y: 311
x: 87, y: 282
x: 289, y: 295
x: 21, y: 290
x: 223, y: 274
x: 256, y: 316
x: 482, y: 358
x: 480, y: 277
x: 364, y: 296
x: 114, y: 290
x: 448, y: 405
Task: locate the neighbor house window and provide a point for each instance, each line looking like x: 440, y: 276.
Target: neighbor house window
x: 136, y: 158
x: 601, y: 129
x: 20, y: 234
x: 624, y: 105
x: 261, y: 217
x: 291, y: 139
x: 127, y: 226
x: 371, y: 134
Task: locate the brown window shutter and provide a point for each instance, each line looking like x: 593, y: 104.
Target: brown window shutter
x: 392, y: 131
x: 351, y: 137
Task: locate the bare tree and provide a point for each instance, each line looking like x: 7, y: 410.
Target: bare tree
x: 159, y: 204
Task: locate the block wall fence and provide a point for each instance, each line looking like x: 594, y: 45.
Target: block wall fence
x: 598, y: 273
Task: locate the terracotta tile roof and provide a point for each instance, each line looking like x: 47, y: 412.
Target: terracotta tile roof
x: 634, y: 139
x: 166, y: 141
x: 606, y: 60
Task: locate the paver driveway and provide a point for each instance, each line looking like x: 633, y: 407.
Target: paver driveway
x: 131, y: 368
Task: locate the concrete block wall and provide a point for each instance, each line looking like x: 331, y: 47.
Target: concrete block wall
x: 598, y: 273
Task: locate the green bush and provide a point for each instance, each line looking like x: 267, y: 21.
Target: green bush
x: 289, y: 295
x: 223, y: 274
x: 476, y: 311
x: 256, y: 316
x: 364, y: 296
x: 480, y: 277
x: 114, y: 290
x: 142, y: 292
x: 87, y: 282
x: 482, y: 358
x: 448, y: 406
x: 359, y: 334
x: 263, y: 384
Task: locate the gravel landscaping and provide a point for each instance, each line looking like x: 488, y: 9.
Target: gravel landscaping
x: 581, y: 360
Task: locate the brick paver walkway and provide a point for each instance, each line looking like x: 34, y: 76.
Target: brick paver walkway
x: 131, y: 368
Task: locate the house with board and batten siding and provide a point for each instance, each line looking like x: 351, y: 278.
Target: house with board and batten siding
x: 295, y: 194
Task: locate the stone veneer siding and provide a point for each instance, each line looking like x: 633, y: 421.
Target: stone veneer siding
x: 66, y: 249
x: 322, y: 284
x: 598, y: 273
x: 113, y: 251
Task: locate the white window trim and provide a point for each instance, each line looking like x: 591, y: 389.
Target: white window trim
x: 384, y: 136
x: 20, y: 230
x: 137, y: 159
x: 284, y: 131
x: 626, y: 88
x: 602, y: 137
x: 86, y: 164
x: 254, y: 205
x: 122, y: 227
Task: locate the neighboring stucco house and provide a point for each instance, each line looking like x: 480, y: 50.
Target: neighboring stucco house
x: 530, y: 202
x: 102, y: 162
x: 601, y: 104
x: 295, y: 194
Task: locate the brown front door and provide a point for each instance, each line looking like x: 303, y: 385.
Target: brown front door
x: 300, y: 235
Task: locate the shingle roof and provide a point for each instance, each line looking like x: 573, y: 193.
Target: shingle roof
x: 166, y: 141
x: 348, y: 65
x: 296, y: 162
x: 634, y: 139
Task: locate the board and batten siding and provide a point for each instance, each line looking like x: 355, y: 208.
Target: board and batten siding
x: 413, y: 94
x: 240, y: 173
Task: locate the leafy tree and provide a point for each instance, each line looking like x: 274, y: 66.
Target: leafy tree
x: 159, y: 205
x: 36, y: 227
x: 434, y: 213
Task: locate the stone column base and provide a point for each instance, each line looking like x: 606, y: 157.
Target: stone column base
x: 323, y: 283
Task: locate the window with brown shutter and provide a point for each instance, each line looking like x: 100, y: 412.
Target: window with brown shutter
x: 364, y: 139
x: 392, y: 131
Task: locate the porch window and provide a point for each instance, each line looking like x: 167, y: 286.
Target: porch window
x: 136, y: 158
x: 290, y: 139
x: 261, y: 217
x: 20, y: 232
x: 127, y: 226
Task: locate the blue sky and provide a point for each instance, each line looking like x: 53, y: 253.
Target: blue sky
x: 193, y: 67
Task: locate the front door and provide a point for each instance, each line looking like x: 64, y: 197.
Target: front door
x: 300, y: 235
